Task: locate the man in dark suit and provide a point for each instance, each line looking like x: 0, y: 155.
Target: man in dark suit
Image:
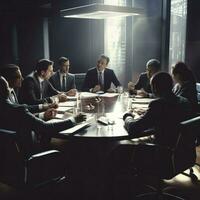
x: 37, y: 89
x: 62, y: 80
x: 16, y: 117
x: 100, y: 77
x: 163, y: 114
x: 14, y: 77
x: 142, y: 86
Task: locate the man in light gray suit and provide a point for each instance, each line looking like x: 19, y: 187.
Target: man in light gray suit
x: 62, y: 80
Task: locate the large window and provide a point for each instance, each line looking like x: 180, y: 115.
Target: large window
x: 177, y: 31
x: 115, y: 41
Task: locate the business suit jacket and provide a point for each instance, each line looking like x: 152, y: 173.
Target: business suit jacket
x: 17, y: 118
x: 189, y: 91
x: 55, y: 81
x: 30, y: 91
x: 91, y: 79
x: 143, y: 82
x: 31, y: 108
x: 163, y: 115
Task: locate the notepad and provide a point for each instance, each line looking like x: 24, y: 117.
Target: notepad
x: 75, y: 128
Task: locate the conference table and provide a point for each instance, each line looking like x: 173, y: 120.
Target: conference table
x: 104, y: 115
x: 87, y: 149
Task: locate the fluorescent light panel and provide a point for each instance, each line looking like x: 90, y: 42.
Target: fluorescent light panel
x: 100, y: 11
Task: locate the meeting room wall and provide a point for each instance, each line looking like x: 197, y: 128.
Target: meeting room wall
x: 81, y: 40
x: 147, y: 35
x: 21, y: 36
x: 192, y: 55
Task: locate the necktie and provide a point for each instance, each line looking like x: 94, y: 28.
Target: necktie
x: 101, y: 80
x: 64, y: 84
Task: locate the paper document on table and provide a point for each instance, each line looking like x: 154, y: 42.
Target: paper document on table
x: 72, y: 98
x: 75, y: 128
x: 59, y: 116
x: 66, y: 115
x: 63, y: 109
x: 54, y: 120
x: 142, y: 100
x: 109, y: 95
x: 144, y: 106
x: 67, y: 104
x: 85, y: 95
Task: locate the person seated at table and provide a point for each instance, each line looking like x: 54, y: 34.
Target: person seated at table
x: 17, y: 118
x: 100, y: 77
x: 12, y: 74
x: 163, y: 114
x: 62, y: 80
x: 37, y: 89
x: 142, y: 86
x: 185, y: 83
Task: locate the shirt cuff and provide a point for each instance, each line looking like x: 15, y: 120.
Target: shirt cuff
x: 40, y: 106
x: 41, y: 115
x: 72, y: 120
x: 150, y: 95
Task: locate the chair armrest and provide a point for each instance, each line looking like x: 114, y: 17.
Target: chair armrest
x: 44, y: 154
x: 44, y: 167
x: 7, y: 133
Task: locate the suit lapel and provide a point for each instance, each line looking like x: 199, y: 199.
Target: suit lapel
x: 37, y: 84
x: 57, y: 80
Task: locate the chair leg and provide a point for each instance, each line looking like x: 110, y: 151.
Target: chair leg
x: 171, y: 196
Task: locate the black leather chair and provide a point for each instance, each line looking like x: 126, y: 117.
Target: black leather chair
x: 28, y: 173
x: 167, y: 162
x: 79, y: 79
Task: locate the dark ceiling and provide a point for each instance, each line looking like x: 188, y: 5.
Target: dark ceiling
x: 24, y: 6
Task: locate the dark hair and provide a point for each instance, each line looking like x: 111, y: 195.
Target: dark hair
x: 105, y: 57
x: 162, y: 82
x: 3, y: 88
x: 62, y: 60
x: 42, y: 65
x: 154, y: 63
x: 185, y: 74
x: 9, y: 72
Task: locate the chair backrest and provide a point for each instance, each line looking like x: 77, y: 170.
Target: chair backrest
x: 185, y: 149
x: 166, y: 162
x: 21, y: 171
x: 79, y: 79
x: 198, y: 91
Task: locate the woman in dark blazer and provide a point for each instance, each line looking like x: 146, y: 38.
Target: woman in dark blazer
x: 185, y: 83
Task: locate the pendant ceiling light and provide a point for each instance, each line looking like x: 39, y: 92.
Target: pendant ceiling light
x: 100, y: 11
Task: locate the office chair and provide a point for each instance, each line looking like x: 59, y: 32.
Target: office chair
x: 28, y: 172
x: 79, y: 79
x: 167, y: 162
